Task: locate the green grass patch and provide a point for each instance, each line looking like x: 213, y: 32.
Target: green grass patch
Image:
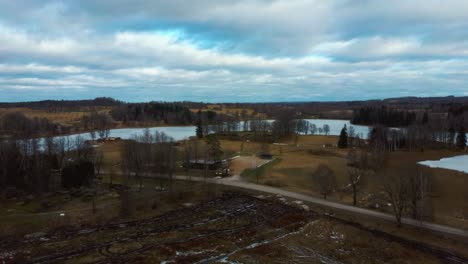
x: 252, y: 174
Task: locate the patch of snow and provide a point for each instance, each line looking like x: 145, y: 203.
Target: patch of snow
x: 86, y: 231
x: 457, y: 163
x: 34, y: 235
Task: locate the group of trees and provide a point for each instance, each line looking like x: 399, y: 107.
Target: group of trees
x: 64, y: 105
x: 408, y: 192
x: 37, y: 166
x: 155, y: 153
x: 413, y: 138
x: 99, y: 123
x: 162, y: 113
x: 284, y: 124
x: 383, y: 116
x: 17, y: 124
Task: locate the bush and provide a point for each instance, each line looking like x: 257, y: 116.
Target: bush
x: 77, y: 174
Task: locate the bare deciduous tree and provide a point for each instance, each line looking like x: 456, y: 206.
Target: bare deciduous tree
x: 132, y: 160
x: 358, y: 171
x: 418, y: 193
x: 395, y: 186
x: 357, y: 178
x: 325, y: 180
x: 98, y: 160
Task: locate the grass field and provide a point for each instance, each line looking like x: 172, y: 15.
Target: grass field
x: 300, y: 158
x: 221, y: 109
x: 67, y: 117
x: 296, y: 162
x: 297, y: 159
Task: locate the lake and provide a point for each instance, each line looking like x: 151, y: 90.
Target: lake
x: 458, y: 163
x: 184, y: 132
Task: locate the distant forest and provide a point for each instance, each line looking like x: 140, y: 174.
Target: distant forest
x: 64, y: 105
x: 384, y: 116
x: 437, y: 112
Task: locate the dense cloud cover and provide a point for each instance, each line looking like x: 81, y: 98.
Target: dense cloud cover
x: 223, y: 50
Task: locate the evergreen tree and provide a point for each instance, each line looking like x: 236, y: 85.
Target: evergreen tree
x: 199, y: 129
x: 425, y: 118
x: 461, y: 138
x: 343, y: 141
x: 451, y: 136
x: 214, y: 147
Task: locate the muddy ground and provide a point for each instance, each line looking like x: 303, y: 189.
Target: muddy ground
x: 232, y: 228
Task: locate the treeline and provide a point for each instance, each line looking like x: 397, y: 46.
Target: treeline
x: 158, y: 112
x: 260, y: 129
x: 64, y: 105
x: 342, y: 110
x: 18, y: 125
x: 383, y: 116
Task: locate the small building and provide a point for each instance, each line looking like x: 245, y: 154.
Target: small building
x: 113, y: 139
x: 210, y: 164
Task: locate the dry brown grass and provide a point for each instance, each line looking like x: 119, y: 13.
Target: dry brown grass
x: 57, y: 117
x: 299, y: 161
x: 220, y: 109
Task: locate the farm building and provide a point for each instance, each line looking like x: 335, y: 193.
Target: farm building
x: 210, y: 164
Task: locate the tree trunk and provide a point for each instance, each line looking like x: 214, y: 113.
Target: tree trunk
x: 94, y: 204
x: 354, y: 195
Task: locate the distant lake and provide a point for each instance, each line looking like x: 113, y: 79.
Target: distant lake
x: 184, y: 132
x: 458, y: 163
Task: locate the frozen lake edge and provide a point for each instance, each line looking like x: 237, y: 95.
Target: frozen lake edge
x: 457, y: 163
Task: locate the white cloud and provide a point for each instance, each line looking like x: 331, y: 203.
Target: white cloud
x: 38, y: 68
x: 260, y: 48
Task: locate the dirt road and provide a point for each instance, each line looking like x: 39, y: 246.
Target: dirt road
x: 236, y: 182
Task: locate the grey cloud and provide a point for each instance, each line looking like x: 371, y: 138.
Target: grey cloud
x: 295, y: 49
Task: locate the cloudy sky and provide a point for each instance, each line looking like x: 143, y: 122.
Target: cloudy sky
x: 224, y: 50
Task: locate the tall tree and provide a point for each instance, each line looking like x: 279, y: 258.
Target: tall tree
x: 199, y: 129
x: 343, y: 141
x: 461, y: 138
x: 451, y: 136
x: 396, y: 189
x: 326, y: 129
x: 214, y: 148
x: 418, y: 192
x: 425, y: 118
x: 357, y: 160
x: 325, y: 180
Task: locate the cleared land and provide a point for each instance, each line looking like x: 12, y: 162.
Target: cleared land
x: 233, y: 227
